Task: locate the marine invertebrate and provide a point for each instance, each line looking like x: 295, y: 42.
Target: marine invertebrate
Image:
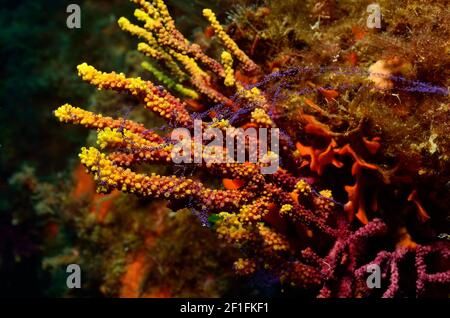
x: 288, y: 223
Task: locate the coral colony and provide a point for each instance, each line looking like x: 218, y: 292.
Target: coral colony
x: 231, y: 149
x: 318, y: 222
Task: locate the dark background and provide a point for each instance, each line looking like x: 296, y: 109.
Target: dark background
x: 38, y: 58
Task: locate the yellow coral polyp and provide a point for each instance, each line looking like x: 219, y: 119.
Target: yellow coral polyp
x: 261, y: 118
x: 326, y: 193
x: 66, y: 112
x: 286, y: 208
x: 325, y: 201
x: 90, y: 157
x: 220, y: 123
x: 252, y: 95
x: 303, y: 187
x: 109, y: 136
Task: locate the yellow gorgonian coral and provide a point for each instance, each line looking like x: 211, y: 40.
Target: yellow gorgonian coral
x: 145, y: 17
x: 231, y: 46
x: 227, y: 61
x: 261, y: 118
x: 124, y: 138
x: 75, y: 115
x: 110, y: 175
x: 157, y: 100
x: 126, y: 25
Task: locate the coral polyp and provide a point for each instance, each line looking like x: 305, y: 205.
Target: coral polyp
x: 336, y: 207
